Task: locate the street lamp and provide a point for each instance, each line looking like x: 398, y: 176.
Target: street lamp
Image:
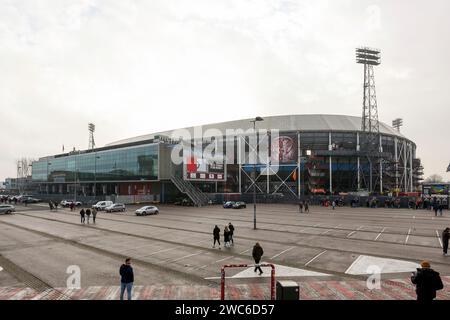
x: 254, y: 171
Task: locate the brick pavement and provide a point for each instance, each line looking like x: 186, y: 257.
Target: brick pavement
x: 397, y: 289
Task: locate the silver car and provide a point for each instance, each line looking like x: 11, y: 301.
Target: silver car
x: 115, y: 207
x: 147, y: 210
x: 7, y: 208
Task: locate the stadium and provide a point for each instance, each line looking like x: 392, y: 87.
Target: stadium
x: 287, y: 157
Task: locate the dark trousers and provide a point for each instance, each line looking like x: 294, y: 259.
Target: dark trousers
x: 218, y: 241
x: 93, y: 218
x: 231, y: 238
x: 445, y: 246
x: 257, y: 267
x: 82, y: 219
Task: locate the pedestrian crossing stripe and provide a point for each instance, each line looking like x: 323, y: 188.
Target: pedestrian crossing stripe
x: 365, y: 265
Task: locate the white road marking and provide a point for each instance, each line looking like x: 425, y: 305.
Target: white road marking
x: 316, y: 225
x: 315, y: 257
x: 407, y: 237
x: 159, y: 251
x: 244, y: 251
x: 183, y: 257
x: 361, y: 264
x: 284, y: 251
x: 209, y: 264
x: 360, y: 228
x: 338, y: 226
x: 326, y: 231
x: 351, y: 233
x: 380, y: 234
x: 439, y: 238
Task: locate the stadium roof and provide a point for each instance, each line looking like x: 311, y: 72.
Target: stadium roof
x: 307, y: 122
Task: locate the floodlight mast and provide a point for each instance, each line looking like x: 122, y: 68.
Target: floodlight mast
x: 370, y: 57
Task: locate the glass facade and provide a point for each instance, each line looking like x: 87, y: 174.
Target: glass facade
x: 139, y: 163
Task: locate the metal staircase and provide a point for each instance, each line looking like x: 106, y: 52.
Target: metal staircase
x: 198, y: 197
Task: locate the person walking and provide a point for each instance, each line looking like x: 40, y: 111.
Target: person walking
x: 88, y: 214
x: 435, y: 208
x: 82, y: 213
x: 72, y: 206
x: 441, y: 207
x: 300, y: 207
x: 127, y: 278
x: 50, y: 204
x: 333, y: 204
x: 306, y: 207
x: 445, y: 238
x: 257, y: 254
x: 231, y: 228
x: 216, y: 235
x: 94, y: 214
x: 427, y: 282
x: 226, y: 237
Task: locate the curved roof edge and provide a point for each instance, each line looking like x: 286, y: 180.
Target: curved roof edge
x: 306, y: 122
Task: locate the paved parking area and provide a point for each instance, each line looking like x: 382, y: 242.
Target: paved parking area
x: 174, y: 248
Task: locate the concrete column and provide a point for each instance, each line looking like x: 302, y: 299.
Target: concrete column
x: 411, y: 167
x: 405, y: 172
x: 331, y: 168
x: 381, y: 167
x: 358, y: 162
x: 299, y: 164
x: 396, y: 162
x: 239, y: 162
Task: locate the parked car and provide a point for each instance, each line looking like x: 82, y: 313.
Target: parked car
x: 101, y: 205
x: 66, y: 203
x: 115, y: 207
x: 30, y: 200
x: 229, y: 204
x: 239, y: 205
x: 147, y: 210
x: 7, y: 208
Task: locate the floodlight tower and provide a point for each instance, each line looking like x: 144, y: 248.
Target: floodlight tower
x: 91, y: 128
x: 370, y: 125
x: 397, y: 123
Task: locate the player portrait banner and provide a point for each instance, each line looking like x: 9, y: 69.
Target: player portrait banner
x: 284, y: 149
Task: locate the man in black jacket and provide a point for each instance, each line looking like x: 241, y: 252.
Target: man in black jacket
x: 231, y: 228
x: 427, y: 282
x: 127, y: 278
x: 257, y: 254
x: 216, y: 235
x: 445, y: 238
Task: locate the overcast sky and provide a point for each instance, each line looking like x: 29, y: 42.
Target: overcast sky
x: 137, y: 67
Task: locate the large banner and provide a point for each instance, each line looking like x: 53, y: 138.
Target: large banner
x: 438, y: 189
x: 284, y: 149
x: 198, y: 168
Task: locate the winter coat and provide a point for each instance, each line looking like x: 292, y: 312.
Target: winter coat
x: 231, y: 227
x: 216, y: 233
x: 226, y: 236
x: 126, y: 273
x: 257, y: 253
x: 88, y: 212
x: 82, y: 212
x: 427, y: 282
x: 445, y: 236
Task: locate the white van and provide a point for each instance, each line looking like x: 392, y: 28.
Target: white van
x: 101, y: 205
